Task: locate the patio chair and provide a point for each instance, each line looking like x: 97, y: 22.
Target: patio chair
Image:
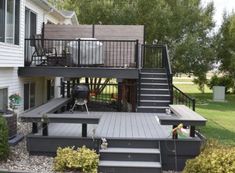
x: 41, y: 55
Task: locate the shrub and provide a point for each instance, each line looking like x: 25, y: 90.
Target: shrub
x: 4, y: 146
x: 214, y: 158
x: 81, y: 159
x: 225, y: 81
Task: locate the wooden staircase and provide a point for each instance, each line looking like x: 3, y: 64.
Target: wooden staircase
x: 154, y: 91
x: 131, y: 156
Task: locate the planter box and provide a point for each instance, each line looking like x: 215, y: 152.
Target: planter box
x: 12, y: 124
x: 219, y: 93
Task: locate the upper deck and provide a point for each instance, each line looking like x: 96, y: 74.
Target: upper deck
x: 85, y: 51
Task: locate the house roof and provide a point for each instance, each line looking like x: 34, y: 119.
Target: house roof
x: 60, y: 14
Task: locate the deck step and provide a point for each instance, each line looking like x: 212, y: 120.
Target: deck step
x: 131, y: 150
x: 130, y: 154
x: 132, y: 143
x: 129, y: 167
x: 129, y: 164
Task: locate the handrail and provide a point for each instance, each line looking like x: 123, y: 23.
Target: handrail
x: 169, y: 72
x: 168, y: 60
x: 182, y: 98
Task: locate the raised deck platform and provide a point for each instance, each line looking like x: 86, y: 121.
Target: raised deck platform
x: 122, y: 130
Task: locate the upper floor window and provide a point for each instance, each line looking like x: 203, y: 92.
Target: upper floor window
x: 9, y: 21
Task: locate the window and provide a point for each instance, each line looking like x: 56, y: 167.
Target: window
x: 29, y: 95
x: 3, y: 100
x: 9, y: 21
x: 30, y: 23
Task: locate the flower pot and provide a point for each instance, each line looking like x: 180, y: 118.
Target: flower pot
x: 11, y: 119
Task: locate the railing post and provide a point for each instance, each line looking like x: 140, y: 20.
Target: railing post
x: 171, y: 88
x: 194, y: 104
x: 137, y: 53
x: 79, y: 46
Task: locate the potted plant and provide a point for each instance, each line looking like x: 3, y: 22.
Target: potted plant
x: 11, y: 116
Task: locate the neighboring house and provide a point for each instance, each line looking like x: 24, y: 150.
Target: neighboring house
x: 20, y: 19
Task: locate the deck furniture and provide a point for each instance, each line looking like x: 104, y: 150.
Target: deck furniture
x: 47, y: 54
x: 35, y: 115
x: 183, y: 114
x: 44, y: 114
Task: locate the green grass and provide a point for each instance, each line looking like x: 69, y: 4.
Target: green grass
x: 220, y: 116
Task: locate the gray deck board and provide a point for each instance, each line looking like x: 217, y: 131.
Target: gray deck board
x: 122, y: 125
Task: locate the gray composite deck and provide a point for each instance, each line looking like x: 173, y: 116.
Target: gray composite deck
x: 122, y: 125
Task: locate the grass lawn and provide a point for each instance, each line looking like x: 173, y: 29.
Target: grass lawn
x: 220, y: 116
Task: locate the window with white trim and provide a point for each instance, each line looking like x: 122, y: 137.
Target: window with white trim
x: 9, y: 21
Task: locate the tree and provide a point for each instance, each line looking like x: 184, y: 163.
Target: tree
x: 226, y: 46
x: 184, y: 25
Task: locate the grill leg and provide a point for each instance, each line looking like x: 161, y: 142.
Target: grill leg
x: 86, y: 108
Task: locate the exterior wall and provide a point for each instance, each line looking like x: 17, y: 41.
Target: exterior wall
x: 13, y: 55
x: 9, y: 79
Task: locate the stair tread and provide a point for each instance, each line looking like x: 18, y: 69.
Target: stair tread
x: 154, y: 95
x: 163, y: 73
x: 158, y: 89
x: 163, y: 101
x: 154, y: 78
x: 154, y: 83
x: 130, y: 164
x: 153, y: 107
x: 131, y: 150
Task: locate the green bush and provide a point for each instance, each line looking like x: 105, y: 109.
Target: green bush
x: 226, y: 81
x: 81, y: 159
x: 214, y: 158
x: 4, y: 146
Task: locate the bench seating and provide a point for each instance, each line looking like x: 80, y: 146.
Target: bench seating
x: 44, y: 114
x: 183, y: 114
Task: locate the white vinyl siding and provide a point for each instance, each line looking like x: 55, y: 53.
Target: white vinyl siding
x: 10, y: 80
x: 13, y: 55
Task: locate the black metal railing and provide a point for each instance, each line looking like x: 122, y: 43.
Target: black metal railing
x: 179, y: 97
x: 81, y: 53
x: 167, y: 65
x: 152, y: 56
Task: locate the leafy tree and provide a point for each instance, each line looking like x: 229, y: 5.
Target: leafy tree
x: 226, y: 46
x: 182, y: 24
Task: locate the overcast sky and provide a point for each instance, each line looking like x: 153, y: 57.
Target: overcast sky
x: 220, y: 7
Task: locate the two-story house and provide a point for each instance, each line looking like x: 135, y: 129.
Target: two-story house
x: 20, y: 19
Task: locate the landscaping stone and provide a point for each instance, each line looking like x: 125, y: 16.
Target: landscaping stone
x: 21, y: 161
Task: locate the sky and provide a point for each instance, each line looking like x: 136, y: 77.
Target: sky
x: 220, y: 7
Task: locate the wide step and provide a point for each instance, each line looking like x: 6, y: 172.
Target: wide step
x: 130, y: 154
x: 129, y: 164
x: 131, y: 150
x: 129, y: 167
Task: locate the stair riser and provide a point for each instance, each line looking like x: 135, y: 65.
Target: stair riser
x: 154, y: 97
x: 160, y: 70
x: 154, y: 104
x: 154, y: 91
x: 159, y: 86
x: 125, y: 143
x: 154, y: 81
x: 151, y: 110
x: 153, y: 75
x: 130, y: 157
x: 128, y: 170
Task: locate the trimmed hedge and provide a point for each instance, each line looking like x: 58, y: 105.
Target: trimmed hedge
x: 79, y: 160
x: 214, y: 158
x: 4, y: 146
